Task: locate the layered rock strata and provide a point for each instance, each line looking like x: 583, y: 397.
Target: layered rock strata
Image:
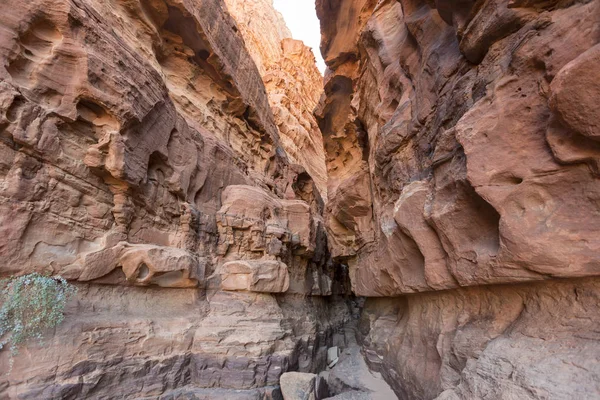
x: 140, y: 159
x: 162, y: 156
x: 293, y: 83
x: 461, y: 148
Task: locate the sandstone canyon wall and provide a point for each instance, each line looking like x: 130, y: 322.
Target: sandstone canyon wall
x: 140, y: 158
x: 293, y: 82
x: 163, y: 155
x: 461, y: 142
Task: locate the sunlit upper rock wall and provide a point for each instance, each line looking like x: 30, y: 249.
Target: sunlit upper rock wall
x: 294, y: 84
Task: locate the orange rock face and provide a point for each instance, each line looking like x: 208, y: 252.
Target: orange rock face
x: 140, y: 159
x: 293, y: 82
x: 461, y: 148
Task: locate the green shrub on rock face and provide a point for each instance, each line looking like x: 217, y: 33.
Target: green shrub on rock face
x: 29, y: 305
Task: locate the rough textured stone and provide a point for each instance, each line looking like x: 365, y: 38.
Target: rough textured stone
x: 266, y: 276
x: 456, y: 146
x: 255, y: 225
x: 125, y: 156
x: 298, y: 386
x: 351, y: 377
x: 144, y: 265
x: 139, y: 152
x: 461, y: 148
x: 524, y: 341
x: 293, y: 83
x: 156, y: 152
x: 574, y: 91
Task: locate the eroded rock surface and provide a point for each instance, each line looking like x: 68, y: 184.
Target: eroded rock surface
x: 512, y: 341
x: 453, y: 138
x: 461, y: 148
x: 163, y: 155
x: 298, y: 386
x: 263, y: 276
x: 293, y: 82
x: 140, y: 159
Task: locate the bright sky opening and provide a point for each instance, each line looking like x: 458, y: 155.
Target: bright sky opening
x: 301, y: 17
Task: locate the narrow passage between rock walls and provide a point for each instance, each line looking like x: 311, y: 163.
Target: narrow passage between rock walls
x: 229, y: 215
x: 347, y: 375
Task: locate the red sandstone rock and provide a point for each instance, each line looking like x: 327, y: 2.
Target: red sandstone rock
x: 138, y: 147
x: 461, y: 148
x: 292, y: 80
x: 263, y: 276
x: 148, y: 151
x: 487, y: 216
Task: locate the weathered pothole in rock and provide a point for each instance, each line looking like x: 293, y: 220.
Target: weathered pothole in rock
x: 143, y: 272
